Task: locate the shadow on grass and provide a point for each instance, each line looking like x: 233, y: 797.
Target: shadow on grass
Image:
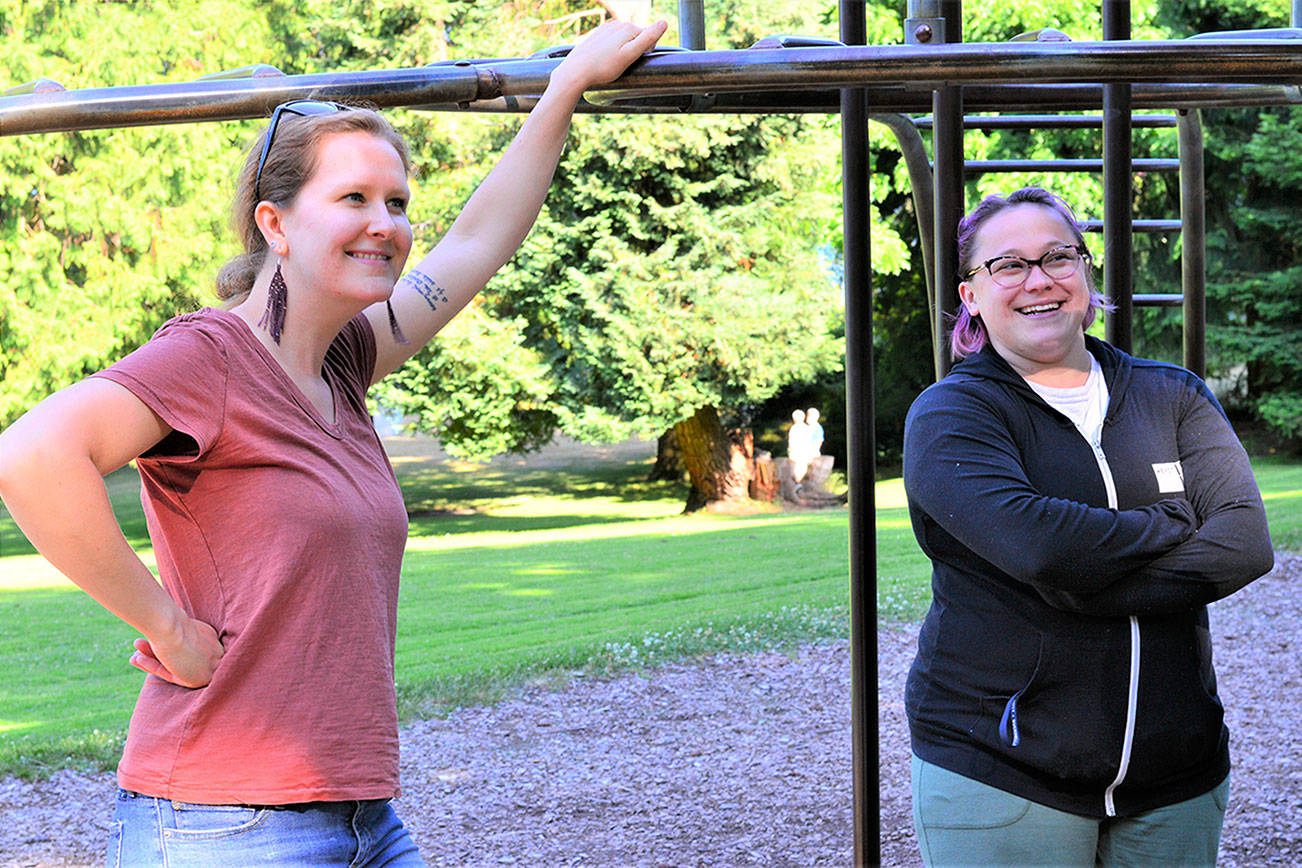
x: 456, y: 524
x: 457, y: 498
x: 446, y: 501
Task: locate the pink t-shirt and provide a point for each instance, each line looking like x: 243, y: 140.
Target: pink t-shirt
x: 286, y: 533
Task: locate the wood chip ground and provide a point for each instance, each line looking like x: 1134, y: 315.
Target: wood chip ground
x: 727, y: 761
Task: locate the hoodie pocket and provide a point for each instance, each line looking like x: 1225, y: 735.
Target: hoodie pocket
x: 1066, y: 720
x: 1182, y: 726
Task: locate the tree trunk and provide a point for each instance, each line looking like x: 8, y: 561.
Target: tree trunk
x: 669, y: 459
x: 719, y: 463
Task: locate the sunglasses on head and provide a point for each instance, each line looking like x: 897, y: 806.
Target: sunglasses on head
x: 301, y: 107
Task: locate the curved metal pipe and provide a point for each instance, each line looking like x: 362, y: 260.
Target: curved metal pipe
x: 918, y: 165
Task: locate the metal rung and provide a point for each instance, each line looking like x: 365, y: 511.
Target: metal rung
x: 1136, y: 225
x: 1159, y: 299
x: 1038, y: 122
x: 1143, y: 164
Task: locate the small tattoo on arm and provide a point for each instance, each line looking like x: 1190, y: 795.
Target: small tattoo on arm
x: 433, y: 294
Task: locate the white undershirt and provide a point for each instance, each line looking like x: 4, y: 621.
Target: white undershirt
x: 1084, y: 405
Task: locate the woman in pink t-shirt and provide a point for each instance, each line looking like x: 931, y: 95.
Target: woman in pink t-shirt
x: 266, y: 730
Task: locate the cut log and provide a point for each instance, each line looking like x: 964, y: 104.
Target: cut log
x: 764, y: 482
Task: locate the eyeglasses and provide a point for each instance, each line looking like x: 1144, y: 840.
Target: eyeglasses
x: 301, y: 107
x: 1011, y: 271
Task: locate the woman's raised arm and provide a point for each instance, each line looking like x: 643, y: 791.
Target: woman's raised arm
x: 494, y: 222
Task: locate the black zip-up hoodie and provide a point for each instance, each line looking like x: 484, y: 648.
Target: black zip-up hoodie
x: 1066, y: 657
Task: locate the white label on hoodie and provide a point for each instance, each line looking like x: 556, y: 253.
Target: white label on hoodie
x: 1170, y: 477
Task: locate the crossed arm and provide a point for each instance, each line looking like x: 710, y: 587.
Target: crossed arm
x: 964, y: 472
x: 1230, y: 548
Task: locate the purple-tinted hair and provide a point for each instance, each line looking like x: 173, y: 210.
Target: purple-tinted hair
x: 969, y: 333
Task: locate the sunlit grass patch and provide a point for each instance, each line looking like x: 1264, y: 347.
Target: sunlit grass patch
x: 513, y: 575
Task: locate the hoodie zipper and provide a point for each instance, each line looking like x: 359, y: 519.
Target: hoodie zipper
x: 1132, y: 696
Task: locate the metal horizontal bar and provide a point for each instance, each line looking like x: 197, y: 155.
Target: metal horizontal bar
x: 1136, y: 225
x: 1158, y: 299
x: 1144, y: 164
x: 676, y: 73
x: 901, y: 100
x: 1172, y: 61
x: 229, y: 99
x: 1042, y: 122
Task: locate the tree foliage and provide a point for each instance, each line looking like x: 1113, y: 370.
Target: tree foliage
x: 1254, y: 196
x: 681, y: 262
x: 675, y: 266
x: 105, y: 234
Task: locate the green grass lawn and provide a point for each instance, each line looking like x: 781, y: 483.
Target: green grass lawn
x: 511, y: 574
x: 1281, y: 489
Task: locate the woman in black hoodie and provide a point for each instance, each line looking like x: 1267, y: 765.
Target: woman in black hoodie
x: 1080, y: 508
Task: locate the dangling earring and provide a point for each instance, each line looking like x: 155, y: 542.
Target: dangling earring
x: 398, y: 336
x: 273, y: 318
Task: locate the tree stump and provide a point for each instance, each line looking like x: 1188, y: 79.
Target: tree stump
x: 820, y: 468
x: 764, y: 482
x: 808, y: 491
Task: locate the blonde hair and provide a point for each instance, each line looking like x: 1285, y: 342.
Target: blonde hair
x: 290, y: 163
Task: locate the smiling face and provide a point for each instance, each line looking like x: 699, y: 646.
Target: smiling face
x: 346, y: 233
x: 1037, y: 327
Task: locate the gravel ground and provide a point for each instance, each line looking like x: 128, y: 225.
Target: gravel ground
x: 733, y: 760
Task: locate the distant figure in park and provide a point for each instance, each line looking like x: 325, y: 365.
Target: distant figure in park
x: 819, y: 467
x: 1080, y: 507
x: 815, y: 432
x: 798, y: 445
x: 266, y: 730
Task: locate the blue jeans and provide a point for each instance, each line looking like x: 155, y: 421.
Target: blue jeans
x: 157, y: 832
x: 962, y: 822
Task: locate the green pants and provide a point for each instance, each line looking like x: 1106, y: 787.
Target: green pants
x: 962, y: 822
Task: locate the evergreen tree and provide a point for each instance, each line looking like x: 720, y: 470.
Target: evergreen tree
x: 1254, y: 243
x: 673, y: 281
x: 107, y: 233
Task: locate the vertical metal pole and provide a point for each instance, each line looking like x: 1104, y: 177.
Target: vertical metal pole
x: 1118, y: 192
x: 1193, y: 241
x: 691, y: 24
x: 947, y: 157
x: 861, y: 449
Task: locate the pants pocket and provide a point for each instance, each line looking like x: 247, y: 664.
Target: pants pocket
x: 206, y: 836
x: 213, y: 821
x: 946, y: 800
x: 113, y: 858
